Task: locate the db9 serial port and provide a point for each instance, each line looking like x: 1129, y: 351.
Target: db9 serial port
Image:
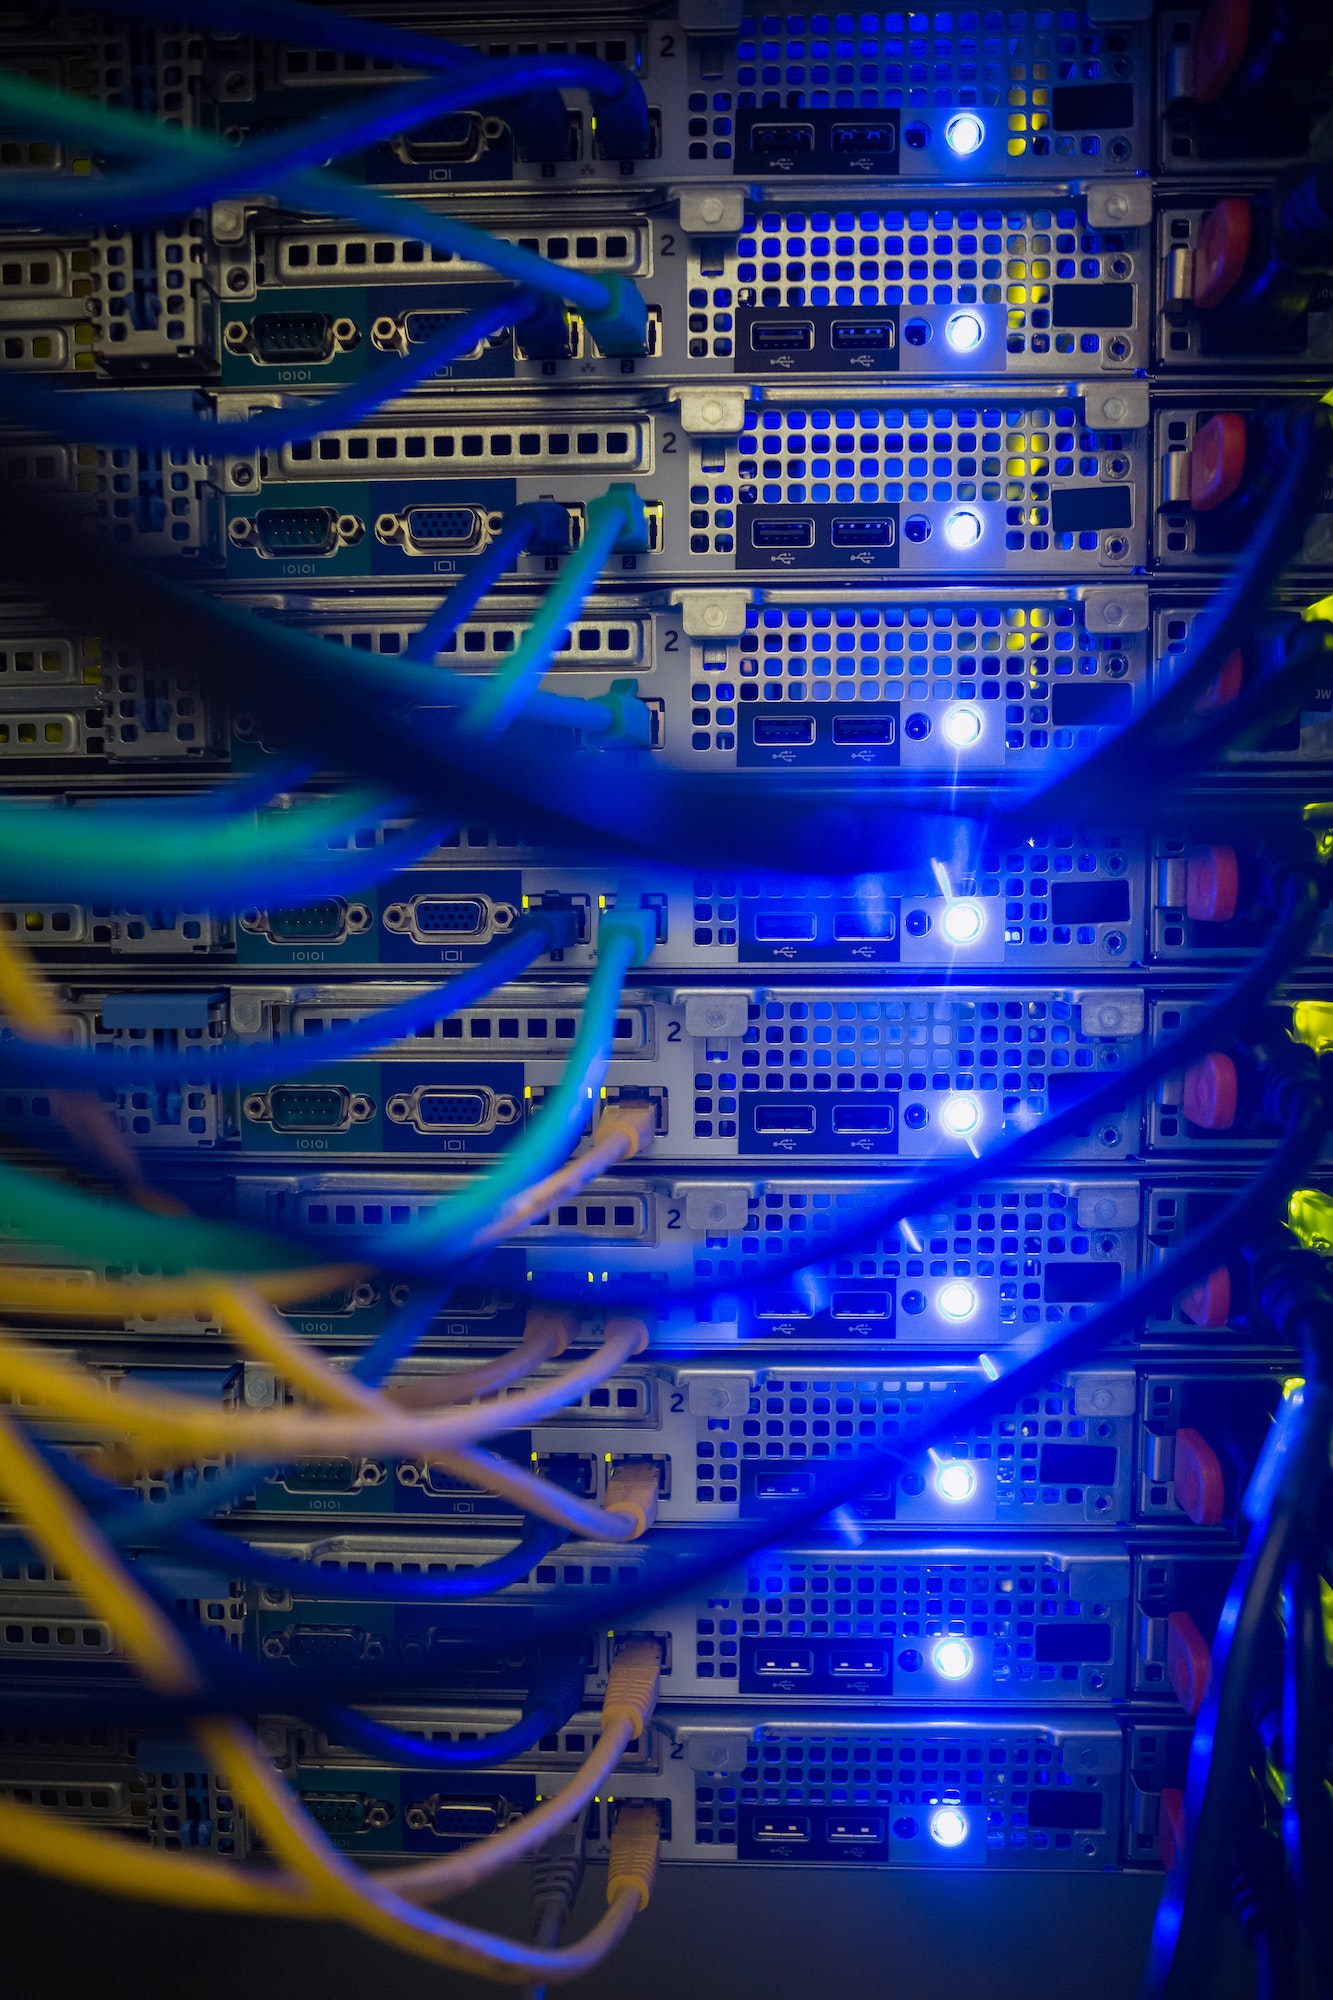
x: 308, y: 1108
x: 279, y: 533
x: 437, y: 919
x: 325, y: 922
x: 290, y: 339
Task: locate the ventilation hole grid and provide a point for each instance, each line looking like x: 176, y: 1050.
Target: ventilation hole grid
x: 1009, y: 1046
x: 996, y: 1773
x: 794, y: 1420
x: 912, y: 62
x: 1018, y: 654
x: 867, y: 454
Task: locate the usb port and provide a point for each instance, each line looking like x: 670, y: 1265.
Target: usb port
x: 782, y: 1826
x: 783, y: 927
x: 863, y: 1117
x: 862, y: 729
x: 858, y: 1660
x: 782, y: 1485
x: 770, y: 729
x: 861, y: 336
x: 782, y: 336
x: 867, y: 138
x: 870, y: 533
x: 784, y: 1118
x: 782, y: 138
x: 854, y: 1830
x: 784, y: 1660
x: 795, y: 534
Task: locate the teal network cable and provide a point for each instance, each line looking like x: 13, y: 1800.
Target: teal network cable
x: 160, y: 856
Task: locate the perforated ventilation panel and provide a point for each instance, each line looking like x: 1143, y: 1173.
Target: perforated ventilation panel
x: 1039, y: 1461
x: 948, y: 1622
x: 1029, y: 1798
x: 1045, y: 491
x: 1054, y: 684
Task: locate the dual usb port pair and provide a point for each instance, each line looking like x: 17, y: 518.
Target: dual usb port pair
x: 867, y: 531
x: 848, y: 732
x: 798, y: 336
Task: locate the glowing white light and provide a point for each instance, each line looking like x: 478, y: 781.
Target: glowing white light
x: 964, y: 331
x: 962, y: 528
x: 956, y: 1300
x: 948, y: 1826
x: 955, y: 1482
x: 960, y: 1114
x: 962, y: 726
x: 963, y: 923
x: 953, y: 1659
x: 964, y: 133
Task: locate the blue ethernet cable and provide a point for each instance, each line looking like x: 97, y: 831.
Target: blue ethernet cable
x: 675, y: 1563
x: 610, y: 304
x: 540, y: 523
x: 615, y: 520
x: 624, y: 939
x: 248, y: 1066
x: 156, y: 422
x: 46, y: 1211
x: 621, y: 113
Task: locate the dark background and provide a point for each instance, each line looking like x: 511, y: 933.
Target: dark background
x: 721, y: 1933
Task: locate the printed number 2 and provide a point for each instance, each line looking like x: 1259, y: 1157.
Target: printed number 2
x: 667, y: 46
x: 673, y: 1218
x: 673, y: 1031
x: 677, y: 1401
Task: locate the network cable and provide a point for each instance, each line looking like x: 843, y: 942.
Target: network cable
x: 1287, y: 1505
x: 248, y: 1065
x: 156, y: 422
x: 384, y: 1906
x: 1024, y: 1367
x: 609, y: 304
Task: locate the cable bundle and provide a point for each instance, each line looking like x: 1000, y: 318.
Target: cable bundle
x: 408, y: 740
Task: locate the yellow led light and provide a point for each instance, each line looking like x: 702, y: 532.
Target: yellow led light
x: 1312, y: 1023
x: 1310, y: 1217
x: 1291, y: 1385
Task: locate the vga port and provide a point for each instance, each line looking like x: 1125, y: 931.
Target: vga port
x: 436, y: 1108
x: 333, y: 1642
x: 429, y: 531
x: 409, y: 329
x: 281, y: 338
x: 456, y: 135
x: 292, y: 1107
x: 428, y: 918
x: 295, y: 531
x: 456, y: 1818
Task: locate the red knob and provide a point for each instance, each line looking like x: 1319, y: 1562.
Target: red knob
x: 1211, y: 1094
x: 1188, y: 1661
x: 1224, y: 690
x: 1223, y: 251
x: 1217, y: 460
x: 1212, y: 884
x: 1220, y: 39
x: 1209, y: 1304
x: 1200, y: 1487
x: 1170, y: 1826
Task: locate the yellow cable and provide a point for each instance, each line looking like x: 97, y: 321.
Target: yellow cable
x: 331, y: 1884
x: 73, y: 1295
x: 159, y: 1428
x: 25, y: 997
x: 620, y: 1134
x: 78, y: 1548
x: 255, y: 1329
